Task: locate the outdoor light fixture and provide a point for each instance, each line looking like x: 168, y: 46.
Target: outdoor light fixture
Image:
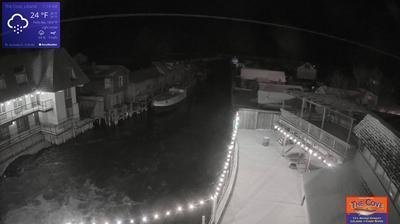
x: 201, y: 202
x: 167, y: 213
x: 144, y: 219
x: 179, y: 208
x: 191, y: 206
x: 131, y: 221
x: 156, y: 216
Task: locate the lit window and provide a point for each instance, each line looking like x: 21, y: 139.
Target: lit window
x: 107, y: 83
x: 2, y: 107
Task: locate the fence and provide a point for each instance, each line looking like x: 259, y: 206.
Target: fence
x: 257, y: 119
x: 333, y: 143
x: 220, y: 203
x: 321, y: 116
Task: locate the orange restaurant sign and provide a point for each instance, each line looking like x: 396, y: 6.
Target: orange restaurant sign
x: 366, y: 210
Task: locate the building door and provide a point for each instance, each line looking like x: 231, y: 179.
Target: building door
x: 22, y: 124
x: 4, y: 133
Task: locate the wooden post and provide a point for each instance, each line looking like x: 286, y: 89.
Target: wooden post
x: 302, y: 107
x: 256, y: 118
x: 213, y: 208
x: 308, y: 163
x: 351, y: 128
x: 203, y: 219
x: 323, y: 118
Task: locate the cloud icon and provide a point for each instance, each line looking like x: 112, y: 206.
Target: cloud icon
x: 17, y: 22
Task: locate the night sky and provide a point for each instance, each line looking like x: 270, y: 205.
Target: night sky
x: 371, y: 22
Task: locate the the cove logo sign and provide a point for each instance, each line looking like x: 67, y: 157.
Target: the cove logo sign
x: 366, y: 210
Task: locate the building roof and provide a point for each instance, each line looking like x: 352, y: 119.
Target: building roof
x: 46, y: 70
x: 263, y: 75
x: 102, y: 71
x: 383, y: 144
x: 144, y: 74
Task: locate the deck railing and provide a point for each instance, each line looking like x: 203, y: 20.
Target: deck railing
x: 26, y: 109
x: 221, y: 202
x: 332, y: 142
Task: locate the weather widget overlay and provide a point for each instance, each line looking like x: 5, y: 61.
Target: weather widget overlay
x: 31, y: 25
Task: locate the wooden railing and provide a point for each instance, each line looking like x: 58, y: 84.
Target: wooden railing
x: 332, y: 142
x: 26, y: 109
x: 221, y: 202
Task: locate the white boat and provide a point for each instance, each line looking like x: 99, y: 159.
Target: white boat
x: 170, y: 99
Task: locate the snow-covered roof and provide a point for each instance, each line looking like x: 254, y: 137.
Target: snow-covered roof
x: 48, y: 70
x: 263, y: 75
x: 383, y: 143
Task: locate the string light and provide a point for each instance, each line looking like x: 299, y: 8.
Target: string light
x: 191, y: 206
x: 302, y: 145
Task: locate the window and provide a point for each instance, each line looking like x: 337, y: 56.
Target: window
x: 2, y: 108
x: 67, y: 93
x: 107, y: 83
x: 20, y: 74
x: 34, y: 100
x: 3, y: 115
x: 21, y: 78
x: 121, y: 81
x: 19, y: 105
x: 2, y: 83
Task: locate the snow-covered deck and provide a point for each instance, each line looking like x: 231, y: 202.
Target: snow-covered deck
x: 266, y: 189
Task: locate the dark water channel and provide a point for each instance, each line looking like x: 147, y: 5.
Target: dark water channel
x: 145, y: 164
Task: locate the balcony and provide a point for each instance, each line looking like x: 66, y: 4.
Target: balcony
x: 26, y: 109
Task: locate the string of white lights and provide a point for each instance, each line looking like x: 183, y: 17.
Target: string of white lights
x: 179, y: 209
x: 311, y: 150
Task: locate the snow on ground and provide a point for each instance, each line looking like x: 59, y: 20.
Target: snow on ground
x: 266, y: 189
